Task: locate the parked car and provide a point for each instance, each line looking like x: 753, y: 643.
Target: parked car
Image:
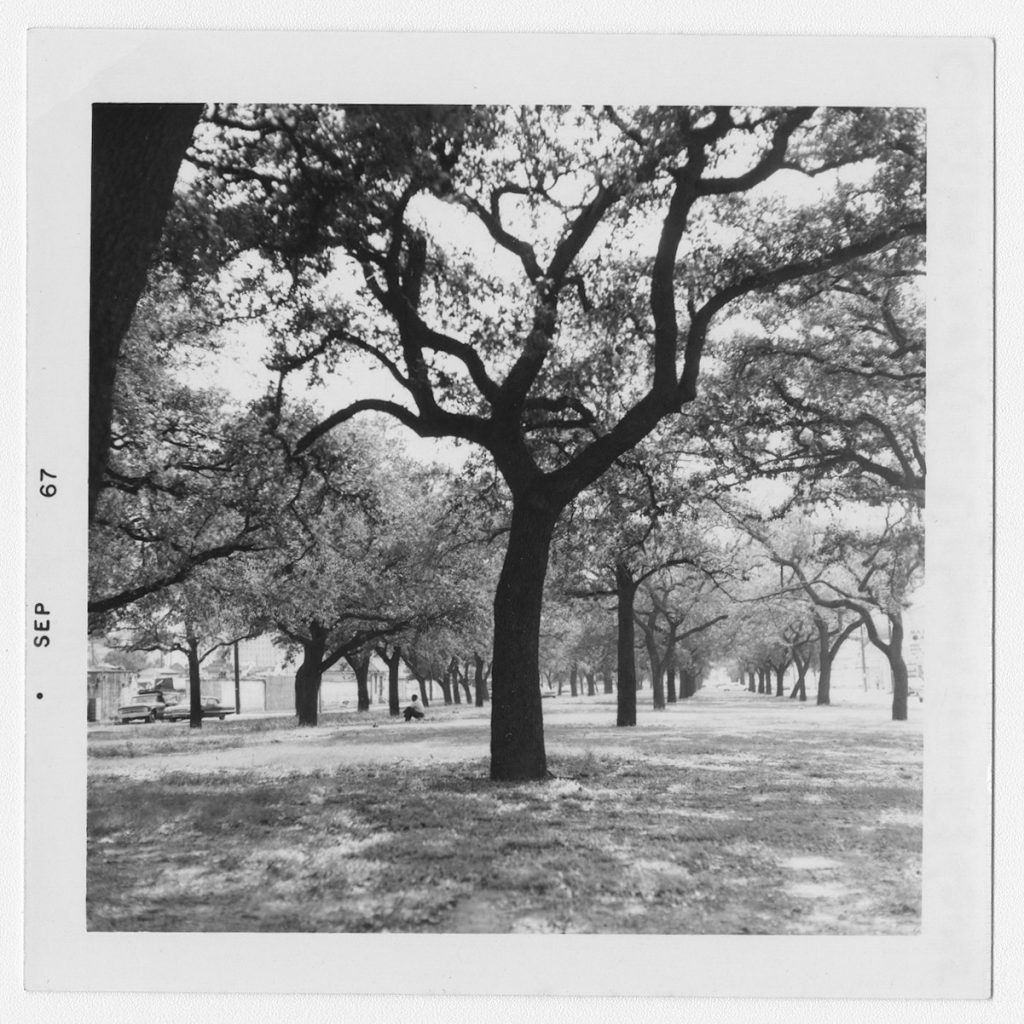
x: 212, y: 708
x: 143, y: 707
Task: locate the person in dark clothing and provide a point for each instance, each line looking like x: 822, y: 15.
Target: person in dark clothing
x: 413, y: 710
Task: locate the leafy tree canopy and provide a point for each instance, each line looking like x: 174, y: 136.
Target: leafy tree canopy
x: 527, y: 266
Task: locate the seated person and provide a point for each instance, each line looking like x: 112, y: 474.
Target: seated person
x: 413, y: 710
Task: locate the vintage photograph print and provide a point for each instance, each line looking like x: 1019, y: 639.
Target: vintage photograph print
x: 509, y: 518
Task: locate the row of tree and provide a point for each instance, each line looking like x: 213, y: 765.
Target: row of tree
x: 548, y: 285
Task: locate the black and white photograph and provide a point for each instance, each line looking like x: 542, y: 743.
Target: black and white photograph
x: 504, y: 518
x: 672, y: 363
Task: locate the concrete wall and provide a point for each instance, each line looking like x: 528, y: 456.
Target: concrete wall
x: 104, y: 693
x: 280, y: 693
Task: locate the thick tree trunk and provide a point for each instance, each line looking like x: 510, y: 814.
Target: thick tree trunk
x: 626, y: 683
x: 658, y: 692
x: 446, y: 687
x: 824, y: 662
x: 478, y: 680
x: 606, y: 678
x: 689, y: 677
x: 761, y: 674
x: 360, y: 665
x: 464, y: 680
x: 802, y: 664
x: 573, y: 676
x: 670, y: 685
x: 654, y: 659
x: 900, y: 677
x: 517, y: 724
x: 591, y: 685
x: 195, y: 697
x: 750, y: 680
x: 393, y: 663
x: 824, y: 682
x: 780, y: 690
x: 900, y: 687
x: 307, y: 678
x: 452, y: 675
x: 136, y: 153
x: 827, y: 654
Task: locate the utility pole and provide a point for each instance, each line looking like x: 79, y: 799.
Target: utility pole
x: 888, y: 637
x: 863, y: 660
x: 238, y: 686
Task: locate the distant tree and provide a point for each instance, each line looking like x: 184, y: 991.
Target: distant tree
x: 196, y: 618
x: 612, y: 541
x: 191, y: 478
x: 878, y: 571
x: 860, y: 571
x: 580, y: 633
x: 803, y: 659
x: 359, y: 563
x: 788, y: 643
x: 470, y: 522
x: 679, y: 604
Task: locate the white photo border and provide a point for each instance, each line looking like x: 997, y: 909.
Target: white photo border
x: 950, y: 78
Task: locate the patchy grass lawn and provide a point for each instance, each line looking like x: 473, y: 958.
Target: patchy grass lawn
x: 729, y: 814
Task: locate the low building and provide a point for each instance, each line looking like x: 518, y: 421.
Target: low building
x: 105, y: 687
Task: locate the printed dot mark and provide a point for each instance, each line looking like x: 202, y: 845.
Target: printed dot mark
x: 39, y: 696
